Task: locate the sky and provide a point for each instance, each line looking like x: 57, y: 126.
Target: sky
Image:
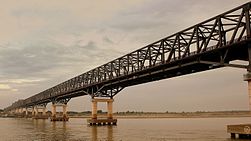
x: 45, y: 42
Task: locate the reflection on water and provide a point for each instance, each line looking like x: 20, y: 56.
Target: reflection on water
x: 94, y: 133
x: 197, y: 129
x: 59, y: 131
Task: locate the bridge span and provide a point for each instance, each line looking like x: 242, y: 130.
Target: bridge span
x: 211, y: 44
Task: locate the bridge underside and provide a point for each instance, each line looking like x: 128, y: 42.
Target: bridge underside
x: 211, y: 59
x: 216, y: 58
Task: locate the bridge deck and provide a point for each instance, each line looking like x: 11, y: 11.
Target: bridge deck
x: 208, y: 45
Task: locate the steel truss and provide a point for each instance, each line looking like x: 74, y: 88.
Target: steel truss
x: 207, y: 45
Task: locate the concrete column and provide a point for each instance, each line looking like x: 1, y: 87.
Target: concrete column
x: 109, y: 109
x: 94, y: 109
x: 65, y: 110
x: 44, y: 110
x: 26, y: 111
x: 53, y: 110
x: 21, y: 110
x: 247, y: 77
x: 249, y: 93
x: 36, y: 110
x: 33, y: 111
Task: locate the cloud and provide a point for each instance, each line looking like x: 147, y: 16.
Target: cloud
x: 4, y: 87
x: 14, y: 90
x: 21, y: 81
x: 107, y: 40
x: 90, y: 45
x: 45, y: 42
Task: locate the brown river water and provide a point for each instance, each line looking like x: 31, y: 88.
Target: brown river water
x: 76, y: 129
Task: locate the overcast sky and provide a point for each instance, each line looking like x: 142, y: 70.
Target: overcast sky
x: 45, y: 42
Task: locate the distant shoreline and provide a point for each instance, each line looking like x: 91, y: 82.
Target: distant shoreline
x: 224, y: 114
x: 148, y: 115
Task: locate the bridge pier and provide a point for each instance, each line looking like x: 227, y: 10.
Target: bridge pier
x: 28, y: 112
x: 33, y: 111
x: 12, y: 111
x: 102, y: 121
x: 39, y: 112
x: 94, y: 109
x: 247, y: 77
x: 54, y: 116
x: 249, y: 93
x: 19, y: 113
x: 16, y: 112
x: 243, y: 130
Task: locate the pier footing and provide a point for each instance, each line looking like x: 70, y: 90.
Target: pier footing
x: 242, y: 130
x: 40, y: 117
x: 94, y: 122
x: 58, y: 118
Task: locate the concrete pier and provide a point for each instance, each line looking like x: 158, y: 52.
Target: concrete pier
x: 104, y: 121
x: 247, y: 77
x: 39, y: 112
x: 28, y: 112
x: 242, y: 130
x: 57, y: 117
x: 18, y: 113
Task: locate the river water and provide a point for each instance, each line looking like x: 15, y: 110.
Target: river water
x: 76, y: 129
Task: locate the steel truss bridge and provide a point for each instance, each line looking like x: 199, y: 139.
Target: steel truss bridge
x: 208, y: 45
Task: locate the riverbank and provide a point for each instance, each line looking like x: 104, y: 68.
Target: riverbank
x: 218, y: 114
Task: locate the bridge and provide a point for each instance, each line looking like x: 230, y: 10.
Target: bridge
x: 211, y: 44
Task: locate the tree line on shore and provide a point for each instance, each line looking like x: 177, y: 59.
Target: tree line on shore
x: 141, y: 112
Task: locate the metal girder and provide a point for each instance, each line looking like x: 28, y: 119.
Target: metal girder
x: 203, y: 39
x: 103, y: 91
x: 61, y: 101
x: 224, y: 64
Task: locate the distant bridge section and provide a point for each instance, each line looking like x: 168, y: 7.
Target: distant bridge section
x: 211, y: 44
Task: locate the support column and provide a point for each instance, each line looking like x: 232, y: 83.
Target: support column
x: 65, y: 110
x: 94, y: 120
x: 39, y: 111
x: 33, y: 111
x: 44, y: 111
x: 94, y: 109
x: 247, y: 77
x: 26, y: 111
x: 21, y: 110
x: 36, y: 111
x: 249, y: 93
x: 53, y: 110
x: 63, y: 104
x: 109, y: 109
